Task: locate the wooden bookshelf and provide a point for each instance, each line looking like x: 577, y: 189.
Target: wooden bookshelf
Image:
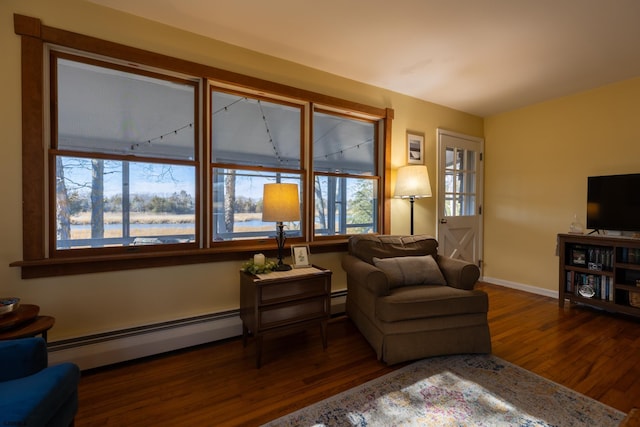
x: 600, y: 271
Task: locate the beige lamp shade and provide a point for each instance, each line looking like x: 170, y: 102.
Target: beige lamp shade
x: 412, y: 181
x: 280, y: 202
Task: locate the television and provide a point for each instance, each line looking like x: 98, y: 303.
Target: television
x: 613, y: 202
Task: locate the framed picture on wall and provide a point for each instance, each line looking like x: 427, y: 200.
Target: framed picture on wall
x: 415, y: 148
x: 300, y: 256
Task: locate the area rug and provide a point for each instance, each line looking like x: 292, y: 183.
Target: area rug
x: 466, y: 390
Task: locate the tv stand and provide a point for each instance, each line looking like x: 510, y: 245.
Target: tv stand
x: 600, y: 271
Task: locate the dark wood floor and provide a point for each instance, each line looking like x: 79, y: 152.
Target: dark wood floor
x: 595, y: 353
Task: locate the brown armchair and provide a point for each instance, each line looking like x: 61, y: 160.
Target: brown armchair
x: 411, y: 303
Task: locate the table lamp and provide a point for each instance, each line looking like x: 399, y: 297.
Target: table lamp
x: 280, y: 203
x: 412, y: 182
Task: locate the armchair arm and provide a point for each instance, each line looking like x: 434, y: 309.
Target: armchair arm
x: 360, y: 273
x: 22, y: 357
x: 459, y: 274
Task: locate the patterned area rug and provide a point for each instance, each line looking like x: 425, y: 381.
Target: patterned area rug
x: 466, y: 390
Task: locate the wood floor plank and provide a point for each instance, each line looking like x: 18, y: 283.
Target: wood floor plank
x: 590, y: 351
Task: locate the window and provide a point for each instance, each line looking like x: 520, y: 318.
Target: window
x: 254, y: 141
x: 123, y: 157
x: 345, y: 175
x: 460, y: 182
x: 132, y: 159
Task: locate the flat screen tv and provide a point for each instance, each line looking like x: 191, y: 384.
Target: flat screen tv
x: 613, y: 202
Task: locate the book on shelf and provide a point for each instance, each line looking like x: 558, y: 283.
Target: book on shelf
x: 630, y: 255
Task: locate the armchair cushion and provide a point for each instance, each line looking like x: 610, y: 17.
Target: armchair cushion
x: 410, y: 270
x: 429, y: 301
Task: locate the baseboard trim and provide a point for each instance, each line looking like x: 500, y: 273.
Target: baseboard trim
x: 93, y: 351
x: 521, y: 287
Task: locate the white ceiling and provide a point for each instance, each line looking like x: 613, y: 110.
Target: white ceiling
x: 479, y: 56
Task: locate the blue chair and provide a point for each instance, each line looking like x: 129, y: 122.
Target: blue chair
x: 32, y: 393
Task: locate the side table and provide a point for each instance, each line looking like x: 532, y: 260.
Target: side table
x: 280, y: 302
x: 25, y: 322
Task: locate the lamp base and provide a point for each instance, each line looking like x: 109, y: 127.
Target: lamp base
x: 280, y: 239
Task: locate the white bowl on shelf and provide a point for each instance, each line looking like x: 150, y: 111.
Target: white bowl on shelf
x: 8, y: 304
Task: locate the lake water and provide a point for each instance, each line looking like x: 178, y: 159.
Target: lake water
x: 185, y: 226
x: 181, y: 226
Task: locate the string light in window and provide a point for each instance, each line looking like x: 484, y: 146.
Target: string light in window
x: 175, y: 131
x: 342, y: 150
x: 161, y: 137
x: 276, y: 153
x: 226, y: 107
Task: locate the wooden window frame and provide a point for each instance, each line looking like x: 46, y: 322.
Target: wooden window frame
x: 55, y: 151
x: 36, y: 261
x: 268, y: 97
x: 378, y: 167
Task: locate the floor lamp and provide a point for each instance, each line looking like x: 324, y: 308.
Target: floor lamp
x: 412, y: 182
x: 280, y: 202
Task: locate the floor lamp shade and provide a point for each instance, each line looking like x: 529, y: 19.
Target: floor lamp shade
x: 280, y: 202
x: 412, y: 182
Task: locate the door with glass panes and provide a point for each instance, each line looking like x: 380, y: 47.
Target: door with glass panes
x: 460, y: 196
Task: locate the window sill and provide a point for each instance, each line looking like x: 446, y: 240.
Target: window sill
x: 51, y: 267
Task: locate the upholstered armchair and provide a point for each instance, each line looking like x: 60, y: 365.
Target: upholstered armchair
x: 411, y: 303
x: 32, y: 393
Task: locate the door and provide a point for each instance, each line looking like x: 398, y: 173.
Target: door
x: 460, y: 196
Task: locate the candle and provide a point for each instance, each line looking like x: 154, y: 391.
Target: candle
x: 258, y: 259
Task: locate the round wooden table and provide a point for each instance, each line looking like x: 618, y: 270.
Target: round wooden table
x: 25, y: 322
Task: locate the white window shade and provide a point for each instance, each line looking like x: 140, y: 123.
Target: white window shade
x: 343, y: 145
x: 103, y: 110
x: 253, y: 132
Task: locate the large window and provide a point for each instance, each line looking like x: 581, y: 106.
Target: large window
x: 254, y: 141
x: 134, y: 159
x: 345, y: 175
x: 105, y: 117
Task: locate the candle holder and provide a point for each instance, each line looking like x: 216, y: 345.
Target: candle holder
x: 253, y: 268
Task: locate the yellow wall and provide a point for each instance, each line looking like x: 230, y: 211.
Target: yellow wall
x: 93, y: 303
x: 538, y: 159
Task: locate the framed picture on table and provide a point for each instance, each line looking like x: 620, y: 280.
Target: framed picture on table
x: 415, y: 149
x: 300, y: 256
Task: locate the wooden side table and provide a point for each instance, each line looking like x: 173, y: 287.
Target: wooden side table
x: 25, y: 322
x: 281, y: 302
